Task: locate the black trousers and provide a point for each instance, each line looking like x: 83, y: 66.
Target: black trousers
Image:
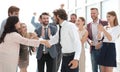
x: 65, y: 61
x: 59, y: 56
x: 46, y: 58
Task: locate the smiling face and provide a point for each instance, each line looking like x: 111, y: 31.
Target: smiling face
x: 73, y: 18
x: 110, y: 18
x: 80, y: 22
x: 45, y: 19
x: 23, y: 28
x: 94, y: 14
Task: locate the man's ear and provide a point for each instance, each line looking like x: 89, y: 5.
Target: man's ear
x: 9, y: 14
x: 58, y: 17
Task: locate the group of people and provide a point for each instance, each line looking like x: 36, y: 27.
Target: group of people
x: 61, y: 42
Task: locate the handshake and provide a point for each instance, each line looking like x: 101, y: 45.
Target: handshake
x: 45, y: 42
x: 42, y: 41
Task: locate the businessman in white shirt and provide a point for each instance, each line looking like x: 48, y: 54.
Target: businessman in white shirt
x: 69, y: 40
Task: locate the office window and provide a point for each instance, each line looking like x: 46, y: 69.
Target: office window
x: 80, y: 12
x: 80, y: 3
x: 71, y: 4
x: 110, y: 5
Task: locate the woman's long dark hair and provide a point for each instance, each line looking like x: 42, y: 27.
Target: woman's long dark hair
x: 9, y: 27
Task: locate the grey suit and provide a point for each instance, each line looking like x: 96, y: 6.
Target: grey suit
x: 50, y: 57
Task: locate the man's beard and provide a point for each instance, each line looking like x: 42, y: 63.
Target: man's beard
x: 94, y: 18
x: 45, y: 23
x: 57, y: 21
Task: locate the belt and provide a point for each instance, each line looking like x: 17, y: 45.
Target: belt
x: 45, y: 52
x: 68, y: 54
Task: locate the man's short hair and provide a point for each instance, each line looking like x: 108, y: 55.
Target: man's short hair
x: 13, y: 9
x: 61, y: 13
x: 94, y: 9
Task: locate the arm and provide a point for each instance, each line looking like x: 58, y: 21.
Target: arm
x: 84, y: 38
x: 25, y: 41
x: 102, y: 29
x: 109, y: 37
x: 35, y: 24
x: 76, y: 42
x: 77, y: 46
x: 54, y: 39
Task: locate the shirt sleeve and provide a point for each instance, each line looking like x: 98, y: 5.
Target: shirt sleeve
x: 35, y: 24
x: 76, y: 42
x: 116, y: 33
x: 25, y: 41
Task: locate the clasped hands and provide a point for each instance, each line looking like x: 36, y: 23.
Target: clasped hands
x: 42, y: 41
x: 45, y: 42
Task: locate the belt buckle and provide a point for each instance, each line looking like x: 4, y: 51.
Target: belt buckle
x: 44, y: 52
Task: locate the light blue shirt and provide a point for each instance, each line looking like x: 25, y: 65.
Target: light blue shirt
x: 35, y: 24
x: 2, y: 27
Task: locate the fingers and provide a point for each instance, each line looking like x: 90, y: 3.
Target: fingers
x: 46, y: 43
x: 70, y: 63
x: 73, y: 64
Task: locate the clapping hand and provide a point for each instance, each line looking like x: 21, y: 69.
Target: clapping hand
x: 100, y: 28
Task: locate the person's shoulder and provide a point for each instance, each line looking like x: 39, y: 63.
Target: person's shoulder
x: 3, y: 21
x: 52, y: 25
x: 38, y: 28
x: 14, y: 33
x: 102, y: 20
x: 70, y: 23
x: 89, y: 23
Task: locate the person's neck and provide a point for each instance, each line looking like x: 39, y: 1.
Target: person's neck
x: 61, y: 21
x: 45, y: 25
x: 95, y: 20
x: 111, y: 24
x: 80, y: 28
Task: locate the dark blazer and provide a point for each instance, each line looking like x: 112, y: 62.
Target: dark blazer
x: 52, y: 51
x: 90, y: 29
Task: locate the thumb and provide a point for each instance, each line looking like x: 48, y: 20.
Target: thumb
x: 70, y: 63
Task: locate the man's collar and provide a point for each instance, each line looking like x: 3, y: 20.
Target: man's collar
x: 44, y: 26
x: 63, y: 23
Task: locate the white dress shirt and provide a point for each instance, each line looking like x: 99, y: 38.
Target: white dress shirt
x: 95, y: 32
x: 69, y: 39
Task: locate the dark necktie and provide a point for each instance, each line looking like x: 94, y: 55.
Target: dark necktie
x: 59, y: 33
x: 45, y: 33
x: 45, y: 37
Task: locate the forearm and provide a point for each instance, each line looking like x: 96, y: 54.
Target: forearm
x: 109, y: 37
